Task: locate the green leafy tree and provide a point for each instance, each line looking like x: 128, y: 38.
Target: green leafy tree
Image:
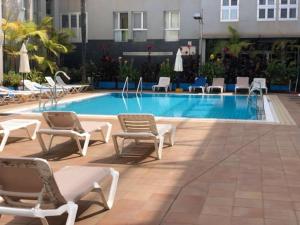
x: 43, y: 42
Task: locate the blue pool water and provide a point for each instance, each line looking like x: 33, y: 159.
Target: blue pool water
x: 165, y: 105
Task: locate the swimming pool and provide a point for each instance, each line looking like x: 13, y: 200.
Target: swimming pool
x: 165, y: 105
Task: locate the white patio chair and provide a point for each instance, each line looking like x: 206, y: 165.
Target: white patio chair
x: 164, y: 82
x: 67, y: 124
x: 52, y: 84
x: 242, y: 83
x: 143, y: 127
x: 259, y: 84
x: 6, y: 127
x: 218, y: 83
x: 29, y: 188
x: 76, y: 87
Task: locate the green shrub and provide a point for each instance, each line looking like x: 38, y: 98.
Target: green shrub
x: 36, y: 76
x: 211, y: 70
x: 167, y: 70
x: 280, y: 73
x: 12, y: 79
x: 128, y: 70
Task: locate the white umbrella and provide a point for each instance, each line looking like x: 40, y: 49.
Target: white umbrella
x: 24, y: 62
x: 178, y: 67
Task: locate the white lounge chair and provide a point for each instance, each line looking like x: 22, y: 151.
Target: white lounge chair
x: 242, y: 83
x: 52, y: 84
x: 164, y: 82
x: 16, y: 95
x: 67, y: 124
x: 218, y: 83
x: 259, y: 84
x: 6, y: 127
x: 29, y: 188
x: 144, y: 127
x: 76, y: 87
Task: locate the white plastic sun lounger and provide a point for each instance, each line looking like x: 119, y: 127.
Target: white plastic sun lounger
x: 259, y: 84
x: 242, y: 83
x: 144, y: 127
x: 67, y: 124
x: 76, y: 87
x: 52, y: 84
x: 218, y: 83
x: 18, y: 95
x: 29, y: 188
x: 164, y: 82
x: 6, y: 127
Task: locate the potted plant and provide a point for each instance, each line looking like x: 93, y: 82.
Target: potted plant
x: 12, y: 80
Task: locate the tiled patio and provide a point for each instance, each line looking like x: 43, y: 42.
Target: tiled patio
x: 216, y: 174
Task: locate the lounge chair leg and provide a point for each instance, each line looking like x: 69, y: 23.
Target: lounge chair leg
x: 50, y: 143
x: 158, y: 143
x: 72, y: 211
x: 4, y: 140
x: 42, y: 143
x: 172, y: 136
x: 83, y: 150
x: 106, y: 137
x: 108, y: 203
x: 44, y: 221
x: 37, y: 127
x: 116, y: 145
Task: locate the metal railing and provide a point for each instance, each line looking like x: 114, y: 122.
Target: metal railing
x: 139, y: 89
x: 257, y: 91
x: 125, y: 87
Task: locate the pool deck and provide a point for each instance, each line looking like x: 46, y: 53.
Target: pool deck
x: 216, y: 174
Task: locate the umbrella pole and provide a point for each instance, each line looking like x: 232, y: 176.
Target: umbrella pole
x: 23, y: 82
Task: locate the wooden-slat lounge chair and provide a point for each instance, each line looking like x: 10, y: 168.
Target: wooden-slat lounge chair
x: 6, y: 127
x: 67, y: 124
x: 143, y: 127
x: 29, y: 188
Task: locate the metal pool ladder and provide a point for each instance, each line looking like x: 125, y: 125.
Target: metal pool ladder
x: 125, y: 87
x: 139, y: 89
x: 259, y: 104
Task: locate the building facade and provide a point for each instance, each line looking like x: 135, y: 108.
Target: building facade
x: 133, y: 28
x: 129, y: 28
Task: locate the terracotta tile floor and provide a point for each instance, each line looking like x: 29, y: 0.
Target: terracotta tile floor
x: 216, y: 174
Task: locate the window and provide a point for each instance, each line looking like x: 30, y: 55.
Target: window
x: 229, y: 10
x: 266, y: 10
x: 121, y: 26
x: 288, y: 9
x: 172, y: 25
x: 65, y: 21
x: 72, y: 21
x: 139, y: 22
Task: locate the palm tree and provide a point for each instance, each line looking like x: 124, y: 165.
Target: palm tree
x: 83, y: 39
x: 233, y: 46
x: 43, y: 42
